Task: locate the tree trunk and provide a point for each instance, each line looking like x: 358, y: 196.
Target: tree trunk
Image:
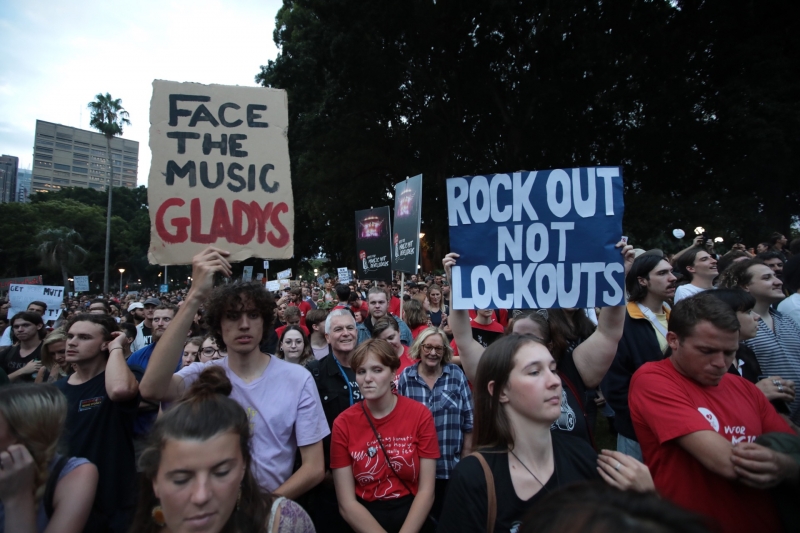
x: 65, y: 280
x: 108, y: 216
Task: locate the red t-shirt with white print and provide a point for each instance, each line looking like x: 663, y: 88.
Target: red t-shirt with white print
x: 407, y: 433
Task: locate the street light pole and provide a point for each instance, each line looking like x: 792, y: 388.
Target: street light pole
x: 121, y: 271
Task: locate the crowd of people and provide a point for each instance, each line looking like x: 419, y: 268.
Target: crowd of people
x: 374, y: 406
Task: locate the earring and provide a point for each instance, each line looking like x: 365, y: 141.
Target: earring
x: 158, y: 516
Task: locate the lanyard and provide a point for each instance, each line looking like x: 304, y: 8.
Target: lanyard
x: 349, y: 387
x: 653, y: 320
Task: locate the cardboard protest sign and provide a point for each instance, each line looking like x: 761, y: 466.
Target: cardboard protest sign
x: 285, y: 274
x: 407, y: 213
x: 81, y: 283
x: 541, y: 239
x: 344, y: 275
x: 220, y: 172
x: 273, y: 286
x: 247, y: 274
x: 373, y: 244
x: 19, y: 296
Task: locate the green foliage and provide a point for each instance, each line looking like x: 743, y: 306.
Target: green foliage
x: 60, y: 250
x: 696, y: 101
x: 107, y: 115
x: 82, y: 211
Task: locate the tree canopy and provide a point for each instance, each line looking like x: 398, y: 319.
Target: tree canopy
x: 84, y: 211
x: 695, y: 100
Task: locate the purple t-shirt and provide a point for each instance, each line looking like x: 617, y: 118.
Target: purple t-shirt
x: 285, y: 412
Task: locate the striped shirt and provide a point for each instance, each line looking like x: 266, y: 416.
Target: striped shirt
x: 778, y: 352
x: 450, y: 403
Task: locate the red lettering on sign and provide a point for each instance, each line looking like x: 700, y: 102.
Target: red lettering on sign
x: 240, y: 211
x: 263, y: 223
x: 282, y: 239
x: 197, y: 225
x: 180, y: 224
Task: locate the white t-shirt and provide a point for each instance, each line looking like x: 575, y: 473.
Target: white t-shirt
x: 791, y: 307
x: 686, y: 291
x: 285, y: 412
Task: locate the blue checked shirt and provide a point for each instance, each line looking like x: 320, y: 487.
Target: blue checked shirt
x: 450, y: 403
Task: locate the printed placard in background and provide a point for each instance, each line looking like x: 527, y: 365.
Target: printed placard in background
x: 80, y: 283
x: 407, y: 213
x: 220, y: 172
x: 541, y: 239
x: 285, y: 274
x: 20, y: 296
x: 373, y: 244
x: 247, y: 274
x: 344, y: 275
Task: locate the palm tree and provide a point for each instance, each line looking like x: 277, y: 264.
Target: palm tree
x: 108, y: 117
x: 59, y: 249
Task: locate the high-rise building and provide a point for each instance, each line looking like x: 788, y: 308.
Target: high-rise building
x: 8, y: 178
x: 70, y: 157
x: 23, y: 184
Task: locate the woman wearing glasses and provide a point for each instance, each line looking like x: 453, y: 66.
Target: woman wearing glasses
x: 441, y: 386
x: 293, y: 346
x: 209, y: 350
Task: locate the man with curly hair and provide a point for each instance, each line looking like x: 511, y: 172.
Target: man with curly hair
x: 280, y: 398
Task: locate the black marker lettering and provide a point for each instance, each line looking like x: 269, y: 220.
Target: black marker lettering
x: 209, y: 145
x: 174, y: 112
x: 202, y: 114
x: 252, y: 116
x: 222, y: 118
x: 182, y: 136
x: 234, y: 145
x: 235, y: 177
x: 263, y: 179
x: 204, y: 175
x: 174, y: 170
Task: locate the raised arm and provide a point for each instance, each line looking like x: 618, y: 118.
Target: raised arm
x: 594, y: 356
x: 696, y: 243
x: 469, y: 350
x: 121, y: 384
x: 160, y: 383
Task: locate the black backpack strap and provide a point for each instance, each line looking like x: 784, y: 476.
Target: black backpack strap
x: 52, y: 481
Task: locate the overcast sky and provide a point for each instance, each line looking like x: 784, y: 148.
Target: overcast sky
x: 55, y: 56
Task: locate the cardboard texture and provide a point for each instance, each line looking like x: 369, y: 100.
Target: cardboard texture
x: 220, y: 172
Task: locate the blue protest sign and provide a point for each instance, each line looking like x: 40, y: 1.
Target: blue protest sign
x: 163, y: 288
x: 541, y: 239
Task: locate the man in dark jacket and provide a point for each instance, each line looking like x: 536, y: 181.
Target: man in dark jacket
x: 338, y: 390
x: 649, y: 283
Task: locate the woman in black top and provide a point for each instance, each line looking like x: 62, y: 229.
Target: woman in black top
x: 517, y: 399
x: 581, y: 366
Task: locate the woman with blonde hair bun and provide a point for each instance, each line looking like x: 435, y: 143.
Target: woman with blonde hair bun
x: 40, y: 490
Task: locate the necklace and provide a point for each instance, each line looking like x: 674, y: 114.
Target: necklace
x: 526, y: 468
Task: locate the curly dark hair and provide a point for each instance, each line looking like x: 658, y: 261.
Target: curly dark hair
x: 230, y: 297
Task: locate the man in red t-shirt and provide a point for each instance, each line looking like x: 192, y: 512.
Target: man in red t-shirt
x: 394, y: 302
x: 296, y: 300
x: 697, y: 424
